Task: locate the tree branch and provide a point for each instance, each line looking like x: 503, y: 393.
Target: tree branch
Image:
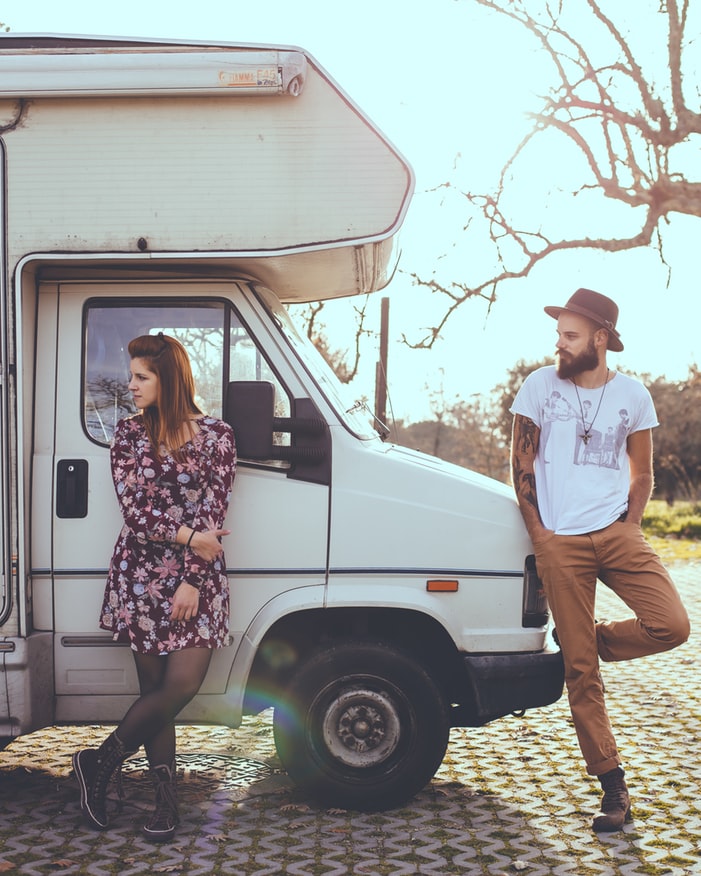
x: 625, y: 141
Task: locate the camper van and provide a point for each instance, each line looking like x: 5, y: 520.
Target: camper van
x: 379, y: 596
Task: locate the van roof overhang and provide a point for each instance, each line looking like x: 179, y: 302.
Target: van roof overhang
x: 56, y: 66
x: 346, y: 204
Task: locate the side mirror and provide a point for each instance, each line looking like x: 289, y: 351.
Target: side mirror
x: 250, y: 405
x: 250, y: 411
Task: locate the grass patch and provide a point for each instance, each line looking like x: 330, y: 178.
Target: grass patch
x: 674, y: 531
x: 681, y: 520
x: 675, y: 551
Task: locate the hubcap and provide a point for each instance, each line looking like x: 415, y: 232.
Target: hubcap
x: 361, y: 727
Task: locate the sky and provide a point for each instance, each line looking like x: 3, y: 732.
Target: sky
x: 449, y: 85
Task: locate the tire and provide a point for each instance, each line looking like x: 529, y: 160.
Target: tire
x: 362, y: 726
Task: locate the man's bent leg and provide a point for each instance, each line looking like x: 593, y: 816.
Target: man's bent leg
x: 636, y: 574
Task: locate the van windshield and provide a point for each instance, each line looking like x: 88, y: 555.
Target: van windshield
x: 355, y: 413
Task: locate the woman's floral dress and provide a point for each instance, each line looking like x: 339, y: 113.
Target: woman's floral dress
x: 157, y: 497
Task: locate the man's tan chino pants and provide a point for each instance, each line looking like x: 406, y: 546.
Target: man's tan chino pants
x: 569, y: 566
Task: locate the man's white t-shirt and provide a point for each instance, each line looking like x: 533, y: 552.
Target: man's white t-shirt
x: 583, y: 486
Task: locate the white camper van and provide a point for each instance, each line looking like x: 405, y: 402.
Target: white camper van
x: 379, y: 596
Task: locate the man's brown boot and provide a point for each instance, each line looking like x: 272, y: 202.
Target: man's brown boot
x: 615, y: 805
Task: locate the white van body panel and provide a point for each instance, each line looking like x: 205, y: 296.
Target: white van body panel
x: 413, y: 518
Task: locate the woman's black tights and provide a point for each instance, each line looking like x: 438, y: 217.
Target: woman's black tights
x: 167, y: 685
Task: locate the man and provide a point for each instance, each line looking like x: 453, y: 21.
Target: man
x: 584, y: 521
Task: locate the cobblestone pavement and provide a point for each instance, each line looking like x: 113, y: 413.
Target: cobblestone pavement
x: 509, y: 798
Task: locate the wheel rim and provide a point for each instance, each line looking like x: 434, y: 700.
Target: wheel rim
x: 361, y: 727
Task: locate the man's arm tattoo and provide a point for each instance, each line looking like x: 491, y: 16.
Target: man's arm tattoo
x: 527, y: 435
x: 525, y: 446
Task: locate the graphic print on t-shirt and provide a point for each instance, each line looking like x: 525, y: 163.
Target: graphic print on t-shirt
x: 582, y: 485
x: 593, y: 442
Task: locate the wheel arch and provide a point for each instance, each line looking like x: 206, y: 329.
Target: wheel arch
x: 292, y: 638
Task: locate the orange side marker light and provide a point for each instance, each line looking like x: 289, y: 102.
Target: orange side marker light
x: 442, y: 586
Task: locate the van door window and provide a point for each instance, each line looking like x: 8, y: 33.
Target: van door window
x: 220, y: 348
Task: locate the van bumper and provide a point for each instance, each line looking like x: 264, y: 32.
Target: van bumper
x: 500, y: 684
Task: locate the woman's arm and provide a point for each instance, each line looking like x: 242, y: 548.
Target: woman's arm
x: 135, y: 490
x: 218, y: 476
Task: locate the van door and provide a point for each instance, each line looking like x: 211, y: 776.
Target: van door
x: 279, y: 525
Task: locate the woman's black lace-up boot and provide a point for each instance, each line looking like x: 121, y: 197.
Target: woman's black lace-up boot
x: 161, y: 825
x: 94, y: 768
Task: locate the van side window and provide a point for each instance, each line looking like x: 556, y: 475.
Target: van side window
x: 218, y: 344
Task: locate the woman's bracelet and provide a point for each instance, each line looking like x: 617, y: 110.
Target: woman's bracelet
x: 187, y: 543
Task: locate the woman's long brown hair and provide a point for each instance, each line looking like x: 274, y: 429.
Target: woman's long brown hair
x: 175, y: 402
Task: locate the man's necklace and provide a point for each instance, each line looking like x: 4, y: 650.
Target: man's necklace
x: 586, y: 437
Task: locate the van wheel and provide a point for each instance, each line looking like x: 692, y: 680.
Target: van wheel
x: 362, y: 726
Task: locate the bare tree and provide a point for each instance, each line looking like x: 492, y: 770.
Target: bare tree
x: 623, y: 117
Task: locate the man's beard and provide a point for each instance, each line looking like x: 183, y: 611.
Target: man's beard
x: 574, y: 365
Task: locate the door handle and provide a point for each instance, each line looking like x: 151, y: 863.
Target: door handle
x: 72, y: 488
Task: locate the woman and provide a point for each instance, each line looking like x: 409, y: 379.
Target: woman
x: 167, y: 592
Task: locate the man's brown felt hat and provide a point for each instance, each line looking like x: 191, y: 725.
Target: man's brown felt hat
x: 596, y: 307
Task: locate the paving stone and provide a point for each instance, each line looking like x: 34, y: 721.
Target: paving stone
x: 509, y: 798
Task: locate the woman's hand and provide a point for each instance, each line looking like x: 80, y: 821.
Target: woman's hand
x: 186, y: 600
x: 207, y: 544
